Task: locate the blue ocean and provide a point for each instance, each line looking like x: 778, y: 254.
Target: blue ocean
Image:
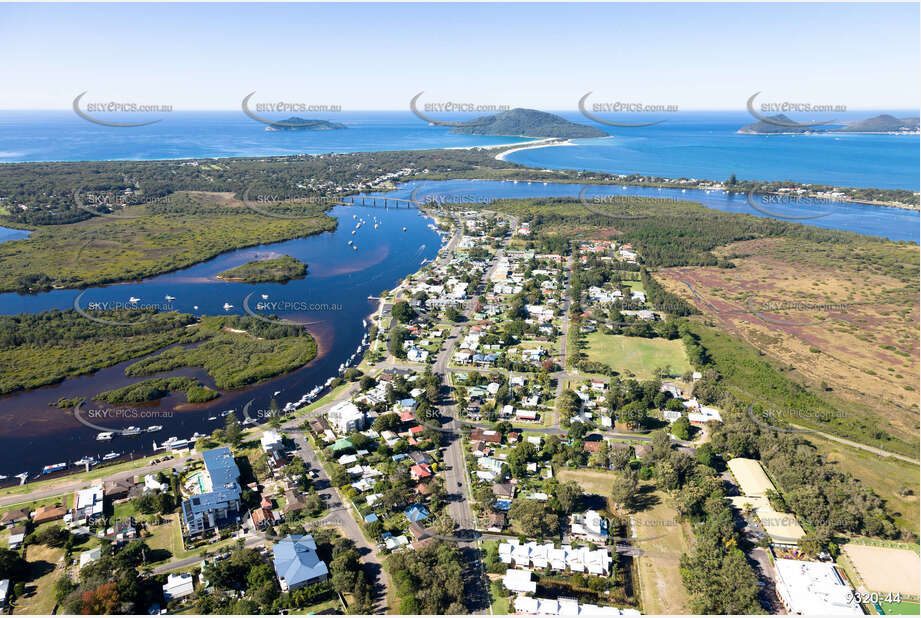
x: 690, y: 144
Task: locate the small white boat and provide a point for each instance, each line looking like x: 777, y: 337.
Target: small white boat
x: 3, y: 477
x: 105, y: 435
x: 354, y: 248
x: 111, y: 456
x: 404, y: 229
x: 132, y: 431
x: 169, y: 298
x: 350, y: 242
x: 196, y: 436
x: 134, y: 299
x: 227, y: 306
x: 276, y: 393
x: 195, y: 307
x: 154, y: 428
x: 353, y: 232
x: 375, y: 226
x: 249, y: 421
x: 85, y: 461
x: 212, y: 418
x: 265, y: 297
x: 354, y: 216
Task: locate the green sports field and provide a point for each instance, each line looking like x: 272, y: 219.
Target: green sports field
x: 637, y: 354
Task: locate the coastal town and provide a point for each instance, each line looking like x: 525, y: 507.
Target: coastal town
x: 506, y: 445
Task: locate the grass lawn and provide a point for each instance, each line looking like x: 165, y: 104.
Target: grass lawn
x: 499, y: 602
x: 165, y: 537
x: 636, y: 286
x: 322, y: 607
x: 44, y: 569
x: 637, y: 354
x: 905, y: 608
x: 662, y: 591
x: 65, y: 500
x: 597, y: 482
x: 885, y: 475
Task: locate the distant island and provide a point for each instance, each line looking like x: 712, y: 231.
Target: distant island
x: 303, y: 124
x: 883, y: 123
x: 527, y: 123
x: 275, y: 270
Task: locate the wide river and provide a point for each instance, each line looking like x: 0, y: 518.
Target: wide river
x: 34, y: 434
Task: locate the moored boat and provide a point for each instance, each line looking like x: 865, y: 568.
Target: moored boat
x: 54, y: 468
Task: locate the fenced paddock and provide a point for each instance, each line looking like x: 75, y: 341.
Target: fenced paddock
x: 886, y: 567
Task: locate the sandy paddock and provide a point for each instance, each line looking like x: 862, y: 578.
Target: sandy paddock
x: 886, y: 569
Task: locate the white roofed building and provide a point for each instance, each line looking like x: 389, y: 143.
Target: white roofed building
x: 346, y: 417
x: 814, y: 588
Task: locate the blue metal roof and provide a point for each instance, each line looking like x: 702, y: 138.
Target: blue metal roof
x: 296, y: 560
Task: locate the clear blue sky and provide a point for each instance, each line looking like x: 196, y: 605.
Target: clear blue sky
x: 377, y: 56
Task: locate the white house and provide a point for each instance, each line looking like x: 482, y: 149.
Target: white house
x: 519, y: 580
x: 346, y: 417
x: 178, y: 586
x: 589, y: 525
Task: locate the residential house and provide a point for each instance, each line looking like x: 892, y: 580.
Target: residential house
x: 504, y: 491
x: 15, y: 516
x: 178, y: 586
x: 88, y: 503
x: 345, y: 417
x: 420, y: 471
x: 589, y: 525
x: 297, y: 564
x: 48, y: 513
x: 416, y: 512
x: 17, y: 536
x: 90, y: 556
x: 519, y: 580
